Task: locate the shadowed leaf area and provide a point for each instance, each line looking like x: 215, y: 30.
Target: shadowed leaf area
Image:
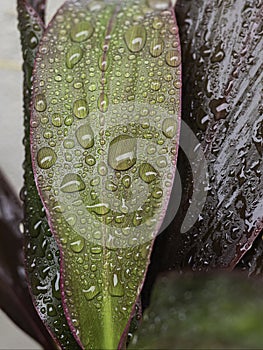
x: 15, y: 299
x: 203, y: 311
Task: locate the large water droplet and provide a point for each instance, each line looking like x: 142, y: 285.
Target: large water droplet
x: 135, y: 38
x: 85, y: 136
x: 74, y: 55
x: 46, y: 157
x: 80, y: 109
x: 81, y: 31
x: 91, y: 292
x: 147, y: 172
x: 169, y: 128
x: 173, y: 58
x: 72, y: 183
x: 78, y: 245
x: 40, y: 103
x: 122, y: 152
x: 156, y: 47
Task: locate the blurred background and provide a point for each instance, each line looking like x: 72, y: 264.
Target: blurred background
x: 11, y: 133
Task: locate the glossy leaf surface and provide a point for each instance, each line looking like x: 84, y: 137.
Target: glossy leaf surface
x: 41, y: 250
x: 15, y: 298
x: 193, y: 311
x: 222, y: 103
x: 104, y: 132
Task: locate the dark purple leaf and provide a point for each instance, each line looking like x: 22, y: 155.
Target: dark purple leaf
x: 39, y: 6
x: 15, y: 299
x: 222, y: 49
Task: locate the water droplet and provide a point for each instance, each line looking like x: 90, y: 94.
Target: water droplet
x: 46, y: 158
x: 157, y: 23
x: 122, y: 152
x: 159, y: 4
x: 72, y: 183
x: 102, y: 168
x: 103, y: 102
x: 99, y: 208
x: 173, y: 58
x: 147, y: 172
x: 40, y: 103
x: 156, y: 47
x: 33, y: 40
x: 57, y: 119
x: 81, y: 31
x: 116, y: 288
x: 80, y: 109
x: 96, y: 250
x: 135, y: 38
x: 85, y: 136
x: 74, y: 55
x: 91, y: 292
x: 103, y: 63
x: 126, y: 181
x: 51, y: 310
x: 68, y: 143
x: 157, y: 193
x: 169, y: 128
x: 78, y: 245
x: 90, y: 160
x: 219, y: 108
x: 161, y: 162
x: 155, y: 85
x: 110, y: 186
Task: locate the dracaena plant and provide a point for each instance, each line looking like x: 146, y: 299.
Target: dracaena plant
x: 109, y: 89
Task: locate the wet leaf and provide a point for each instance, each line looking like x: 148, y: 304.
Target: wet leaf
x: 104, y: 132
x: 39, y: 6
x: 15, y: 299
x: 203, y: 311
x: 41, y: 250
x: 222, y: 104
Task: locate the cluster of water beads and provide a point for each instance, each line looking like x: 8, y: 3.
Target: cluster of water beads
x: 86, y: 157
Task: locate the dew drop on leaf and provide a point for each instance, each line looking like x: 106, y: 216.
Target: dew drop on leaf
x: 74, y: 55
x: 80, y: 109
x: 85, y: 137
x: 147, y: 173
x: 40, y: 103
x: 169, y: 128
x: 46, y: 157
x: 122, y: 152
x: 72, y: 183
x: 135, y: 38
x: 81, y: 31
x: 173, y: 58
x: 156, y: 47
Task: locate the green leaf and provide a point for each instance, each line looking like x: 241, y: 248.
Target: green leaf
x: 41, y: 251
x: 104, y: 133
x: 203, y: 311
x: 222, y: 103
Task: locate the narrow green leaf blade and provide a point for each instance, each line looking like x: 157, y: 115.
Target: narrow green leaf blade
x: 41, y: 251
x: 104, y: 133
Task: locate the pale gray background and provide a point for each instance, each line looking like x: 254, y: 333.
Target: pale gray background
x: 11, y: 133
